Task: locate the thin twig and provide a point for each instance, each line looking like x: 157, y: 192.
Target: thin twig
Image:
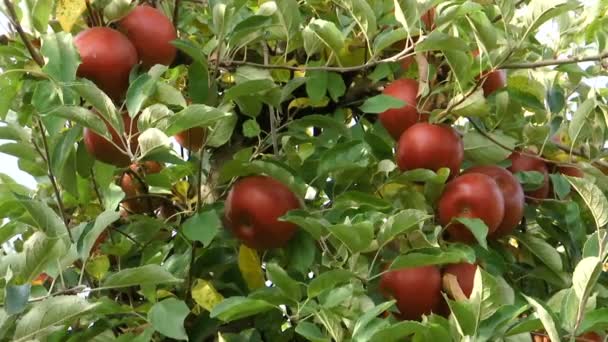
x: 126, y: 235
x: 52, y: 178
x: 271, y: 111
x: 96, y: 188
x: 561, y: 61
x: 15, y: 22
x: 91, y: 13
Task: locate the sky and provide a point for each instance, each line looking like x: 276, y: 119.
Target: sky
x: 548, y: 34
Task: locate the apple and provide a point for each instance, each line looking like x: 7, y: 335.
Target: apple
x: 100, y: 239
x: 526, y: 162
x: 191, y: 139
x: 494, y: 81
x: 428, y: 18
x: 465, y: 274
x: 107, y: 59
x: 471, y: 195
x: 101, y: 149
x: 513, y: 196
x: 41, y: 279
x: 253, y: 208
x: 397, y: 120
x: 151, y: 32
x: 417, y: 290
x: 132, y: 187
x: 429, y: 146
x: 570, y: 170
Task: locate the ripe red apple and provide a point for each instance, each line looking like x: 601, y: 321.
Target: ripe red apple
x: 526, y: 162
x: 513, y: 195
x: 107, y: 59
x: 192, y: 139
x: 465, y: 274
x: 417, y: 290
x: 101, y: 149
x: 397, y: 120
x: 253, y: 208
x: 495, y: 80
x: 471, y: 195
x: 151, y: 32
x: 428, y: 18
x: 570, y: 170
x: 132, y: 187
x: 428, y: 146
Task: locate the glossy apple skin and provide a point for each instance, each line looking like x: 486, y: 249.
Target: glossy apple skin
x: 526, y: 162
x: 132, y: 187
x: 417, y: 290
x: 428, y: 146
x: 397, y: 120
x: 107, y: 59
x: 471, y: 195
x: 191, y: 139
x: 151, y: 32
x: 465, y: 274
x: 495, y: 80
x: 253, y: 207
x: 101, y: 149
x: 513, y: 196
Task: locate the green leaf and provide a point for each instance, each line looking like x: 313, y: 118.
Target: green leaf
x: 222, y: 131
x: 350, y: 155
x: 41, y: 13
x: 143, y: 275
x: 316, y: 85
x: 585, y: 276
x: 192, y: 49
x: 314, y: 226
x: 477, y: 227
x: 61, y: 55
x: 434, y: 256
x: 335, y: 85
x: 528, y: 91
x: 545, y: 317
x: 168, y: 316
x: 251, y: 128
x: 278, y: 276
x: 83, y: 117
x: 203, y: 227
x: 10, y: 83
x: 474, y: 105
x: 530, y: 180
x: 311, y: 332
x: 594, y: 199
x: 484, y: 151
x: 595, y: 320
x: 16, y: 297
x: 358, y: 199
x: 93, y: 231
x: 301, y: 250
x: 362, y: 326
x: 399, y: 331
x: 381, y: 103
x: 49, y: 314
x: 540, y: 11
x: 139, y: 91
x: 408, y: 15
x: 357, y: 237
x: 234, y: 308
x: 289, y: 19
x: 328, y: 33
x: 99, y: 100
x: 46, y: 219
x: 545, y: 252
x: 117, y: 9
x: 440, y: 41
x: 560, y: 185
x: 198, y: 82
x: 556, y: 99
x: 168, y: 95
x: 197, y: 115
x: 249, y: 88
x: 404, y: 221
x: 321, y: 121
x: 328, y: 280
x: 580, y: 118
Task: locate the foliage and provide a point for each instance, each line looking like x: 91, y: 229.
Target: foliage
x: 292, y: 89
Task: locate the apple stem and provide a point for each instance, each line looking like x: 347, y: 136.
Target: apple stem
x: 15, y: 22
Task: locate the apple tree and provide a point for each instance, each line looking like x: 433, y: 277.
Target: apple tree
x: 313, y: 170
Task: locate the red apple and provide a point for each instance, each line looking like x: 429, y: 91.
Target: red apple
x: 471, y: 195
x: 132, y: 187
x: 495, y: 80
x: 417, y: 290
x: 570, y: 170
x: 513, y: 195
x: 253, y: 208
x: 397, y: 120
x: 151, y: 32
x: 192, y: 139
x: 465, y: 274
x: 526, y: 162
x: 41, y: 279
x: 428, y: 146
x: 428, y: 18
x: 101, y: 149
x: 107, y: 59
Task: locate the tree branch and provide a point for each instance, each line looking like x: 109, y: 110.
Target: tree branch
x: 562, y: 61
x: 15, y: 22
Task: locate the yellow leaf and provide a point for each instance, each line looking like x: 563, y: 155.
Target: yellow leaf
x: 251, y: 267
x: 98, y: 266
x: 205, y: 295
x: 181, y: 189
x: 303, y: 102
x: 68, y: 12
